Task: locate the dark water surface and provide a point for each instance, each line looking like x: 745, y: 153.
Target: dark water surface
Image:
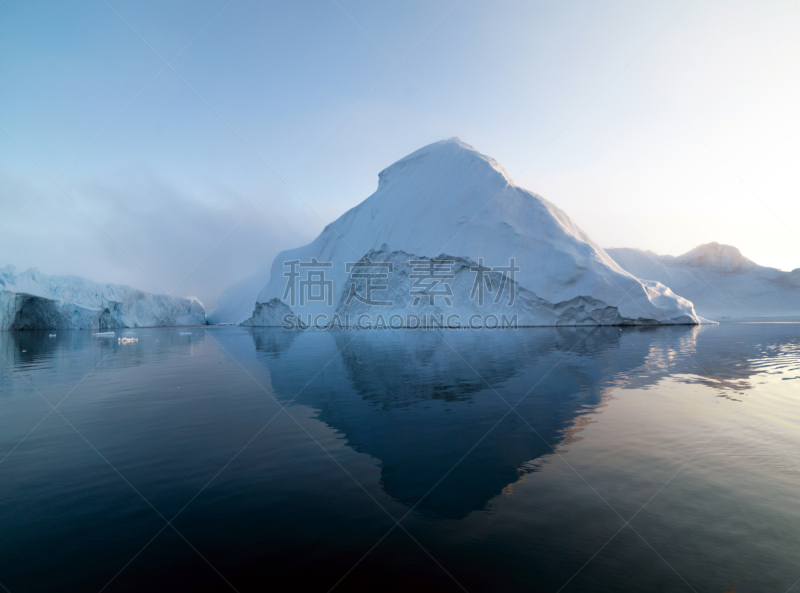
x: 662, y: 459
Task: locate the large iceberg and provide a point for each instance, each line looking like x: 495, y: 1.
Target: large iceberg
x: 720, y: 281
x: 448, y: 202
x: 32, y: 300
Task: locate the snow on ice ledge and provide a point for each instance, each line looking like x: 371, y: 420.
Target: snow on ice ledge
x: 508, y: 305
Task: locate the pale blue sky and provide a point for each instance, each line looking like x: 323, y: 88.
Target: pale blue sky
x: 654, y: 125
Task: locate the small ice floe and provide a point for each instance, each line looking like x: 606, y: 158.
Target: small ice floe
x: 105, y: 334
x: 127, y: 338
x: 51, y: 335
x: 186, y: 333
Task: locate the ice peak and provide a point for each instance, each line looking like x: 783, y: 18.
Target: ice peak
x: 726, y: 257
x: 443, y: 159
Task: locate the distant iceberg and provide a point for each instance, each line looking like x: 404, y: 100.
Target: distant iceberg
x: 236, y: 303
x: 449, y: 202
x: 720, y: 281
x: 32, y: 300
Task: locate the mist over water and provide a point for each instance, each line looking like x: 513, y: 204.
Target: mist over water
x: 512, y: 459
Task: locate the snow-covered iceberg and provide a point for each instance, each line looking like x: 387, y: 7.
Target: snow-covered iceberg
x: 449, y: 202
x: 32, y: 300
x: 720, y: 281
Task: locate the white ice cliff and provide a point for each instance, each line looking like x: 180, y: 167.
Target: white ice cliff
x: 32, y: 300
x: 448, y: 201
x: 719, y: 280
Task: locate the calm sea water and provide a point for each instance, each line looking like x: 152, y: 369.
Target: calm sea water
x: 221, y: 459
